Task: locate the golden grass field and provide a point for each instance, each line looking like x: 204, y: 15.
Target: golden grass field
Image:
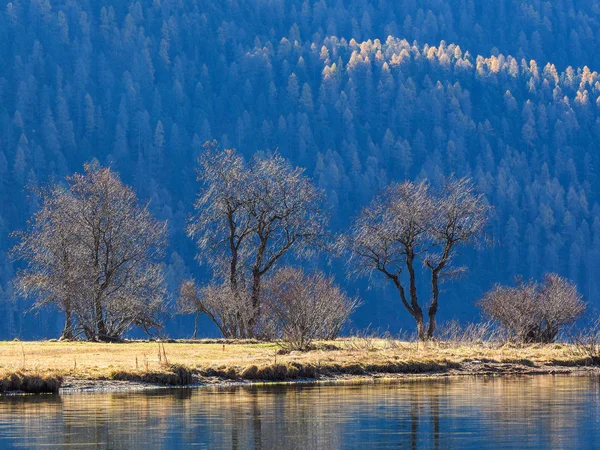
x: 41, y: 366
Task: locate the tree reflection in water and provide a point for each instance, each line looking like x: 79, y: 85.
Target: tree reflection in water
x: 532, y: 412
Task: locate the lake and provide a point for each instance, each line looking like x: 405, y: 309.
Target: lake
x: 513, y: 412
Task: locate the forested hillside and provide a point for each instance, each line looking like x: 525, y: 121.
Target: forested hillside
x: 359, y: 92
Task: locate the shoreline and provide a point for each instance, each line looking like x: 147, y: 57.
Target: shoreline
x: 483, y: 370
x: 70, y: 367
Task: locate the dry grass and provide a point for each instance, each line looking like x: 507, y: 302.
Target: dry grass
x: 40, y: 366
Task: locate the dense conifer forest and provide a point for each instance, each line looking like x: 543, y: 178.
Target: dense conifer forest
x: 360, y: 93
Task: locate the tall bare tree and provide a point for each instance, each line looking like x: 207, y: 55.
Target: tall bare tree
x: 94, y: 252
x: 409, y: 224
x: 50, y: 248
x: 459, y: 217
x: 249, y: 215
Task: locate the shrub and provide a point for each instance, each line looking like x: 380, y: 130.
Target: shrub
x: 587, y: 342
x: 533, y: 312
x: 304, y: 307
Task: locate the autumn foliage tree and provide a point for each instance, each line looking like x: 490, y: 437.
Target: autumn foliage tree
x: 409, y: 225
x: 94, y: 252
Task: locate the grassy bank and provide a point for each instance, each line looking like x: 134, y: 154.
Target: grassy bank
x: 45, y: 366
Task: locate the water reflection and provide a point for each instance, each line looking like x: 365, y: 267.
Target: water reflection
x: 536, y: 412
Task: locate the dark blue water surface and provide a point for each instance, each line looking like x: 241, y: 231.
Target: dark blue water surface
x: 520, y: 412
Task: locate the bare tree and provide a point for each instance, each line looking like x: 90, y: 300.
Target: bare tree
x: 306, y: 307
x: 249, y: 215
x: 460, y: 216
x: 50, y: 248
x: 533, y: 312
x: 408, y: 223
x: 230, y: 311
x: 95, y: 253
x: 189, y: 302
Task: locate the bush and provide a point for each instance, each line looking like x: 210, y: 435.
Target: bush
x: 303, y: 307
x: 587, y: 342
x: 229, y: 310
x: 533, y: 312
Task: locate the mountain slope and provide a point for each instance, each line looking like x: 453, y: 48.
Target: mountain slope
x: 142, y: 86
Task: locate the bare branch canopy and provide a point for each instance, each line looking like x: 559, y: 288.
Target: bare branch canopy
x: 94, y: 252
x: 249, y: 215
x: 410, y: 224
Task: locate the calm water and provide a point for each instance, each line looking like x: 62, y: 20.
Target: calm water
x: 538, y: 412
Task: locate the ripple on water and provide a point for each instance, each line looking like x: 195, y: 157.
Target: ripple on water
x: 512, y: 412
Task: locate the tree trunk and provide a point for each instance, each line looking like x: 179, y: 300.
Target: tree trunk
x: 421, y: 333
x: 255, y: 304
x: 196, y: 326
x: 415, y: 309
x: 435, y: 290
x: 431, y: 325
x: 100, y: 326
x: 67, y: 333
